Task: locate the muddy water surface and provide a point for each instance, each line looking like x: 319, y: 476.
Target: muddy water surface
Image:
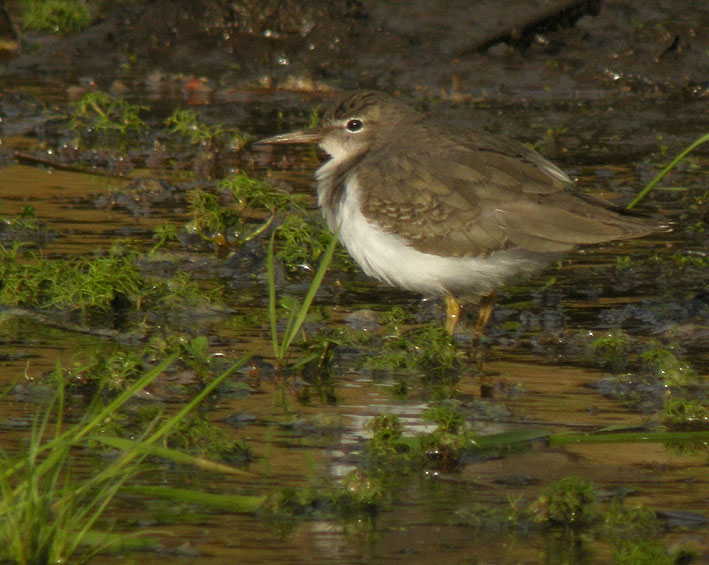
x: 537, y: 369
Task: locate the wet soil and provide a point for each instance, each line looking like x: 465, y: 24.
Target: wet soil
x: 609, y: 94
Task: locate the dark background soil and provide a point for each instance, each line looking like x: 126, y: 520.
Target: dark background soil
x: 449, y: 48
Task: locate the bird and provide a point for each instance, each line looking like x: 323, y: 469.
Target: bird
x: 447, y: 211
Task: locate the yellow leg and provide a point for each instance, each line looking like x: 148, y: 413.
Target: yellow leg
x: 487, y: 303
x: 452, y: 313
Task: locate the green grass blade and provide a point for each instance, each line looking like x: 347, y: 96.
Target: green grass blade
x: 628, y: 437
x: 510, y: 438
x: 289, y: 330
x: 124, y: 541
x: 228, y: 502
x: 272, y: 296
x: 314, y: 286
x: 517, y: 437
x: 170, y: 454
x: 98, y: 505
x: 172, y: 422
x: 141, y: 383
x: 666, y: 170
x: 129, y: 456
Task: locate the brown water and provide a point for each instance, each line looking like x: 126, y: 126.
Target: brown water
x: 538, y: 379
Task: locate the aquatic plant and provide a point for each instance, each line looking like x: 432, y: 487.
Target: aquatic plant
x: 649, y: 186
x: 73, y: 284
x: 359, y: 493
x: 25, y: 227
x: 612, y: 348
x: 387, y: 440
x: 444, y: 446
x: 100, y: 111
x: 45, y: 516
x: 187, y: 124
x: 314, y: 117
x: 302, y: 241
x: 249, y: 192
x: 89, y: 284
x: 569, y: 502
x: 686, y: 414
x: 429, y: 348
x: 164, y: 233
x: 242, y: 209
x: 208, y: 217
x: 297, y: 311
x: 60, y: 16
x: 665, y: 365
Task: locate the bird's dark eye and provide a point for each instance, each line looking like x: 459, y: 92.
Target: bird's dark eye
x: 354, y: 125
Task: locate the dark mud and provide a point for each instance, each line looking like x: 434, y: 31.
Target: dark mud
x: 530, y: 49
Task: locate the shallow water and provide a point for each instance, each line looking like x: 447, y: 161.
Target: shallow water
x: 539, y: 372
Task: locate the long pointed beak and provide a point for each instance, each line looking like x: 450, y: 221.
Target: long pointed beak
x: 312, y: 135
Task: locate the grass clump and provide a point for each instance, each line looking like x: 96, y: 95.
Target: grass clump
x: 73, y: 284
x: 664, y: 364
x: 99, y: 111
x: 612, y: 349
x: 429, y: 348
x: 301, y: 243
x: 571, y: 501
x: 387, y: 440
x: 681, y: 414
x: 58, y: 16
x: 255, y: 193
x: 42, y: 520
x: 186, y: 123
x: 46, y: 516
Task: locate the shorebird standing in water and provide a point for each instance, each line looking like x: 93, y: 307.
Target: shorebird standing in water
x: 445, y: 210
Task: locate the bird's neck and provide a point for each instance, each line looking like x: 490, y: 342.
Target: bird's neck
x: 333, y: 179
